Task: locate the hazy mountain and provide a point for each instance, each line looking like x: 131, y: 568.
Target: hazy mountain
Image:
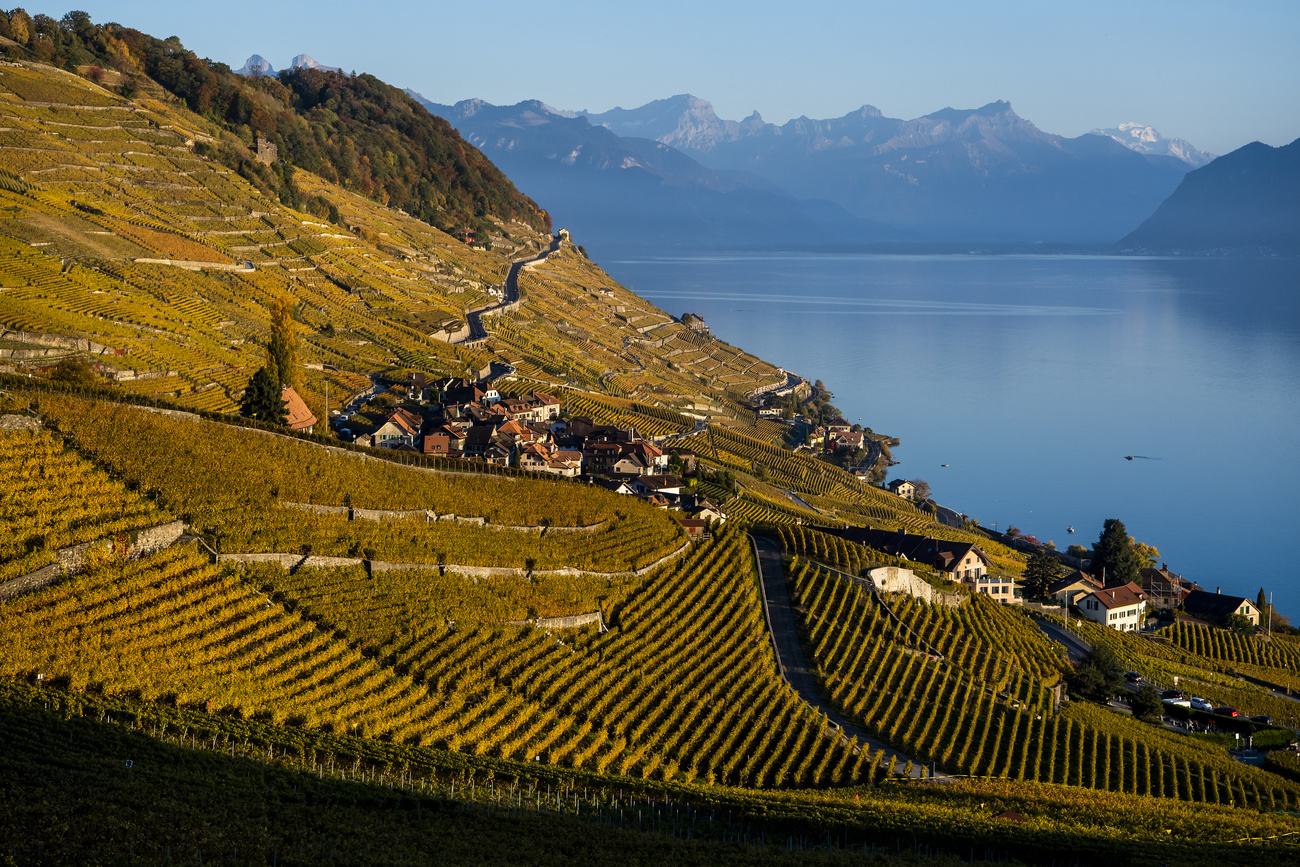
x: 255, y: 66
x: 982, y: 174
x: 1245, y: 201
x: 681, y: 121
x: 624, y: 191
x: 1145, y: 140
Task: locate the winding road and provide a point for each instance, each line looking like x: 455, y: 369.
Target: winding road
x: 794, y: 668
x: 510, y: 295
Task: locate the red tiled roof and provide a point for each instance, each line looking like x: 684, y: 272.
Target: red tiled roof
x: 300, y: 417
x: 1120, y: 596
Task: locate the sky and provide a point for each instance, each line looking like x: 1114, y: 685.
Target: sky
x: 1217, y: 74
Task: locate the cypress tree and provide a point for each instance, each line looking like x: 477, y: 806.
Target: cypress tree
x: 263, y: 399
x: 1113, y: 552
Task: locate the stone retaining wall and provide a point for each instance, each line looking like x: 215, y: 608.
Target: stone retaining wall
x: 430, y: 516
x: 293, y: 562
x: 894, y: 579
x: 573, y: 621
x: 74, y: 557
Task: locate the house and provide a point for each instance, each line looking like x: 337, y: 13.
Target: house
x: 838, y: 425
x: 415, y: 383
x: 1068, y: 590
x: 599, y: 457
x: 399, y: 427
x: 687, y: 457
x: 546, y: 406
x: 695, y: 528
x: 477, y: 440
x: 1120, y: 606
x: 617, y: 486
x: 964, y: 562
x: 658, y: 485
x: 903, y: 488
x: 436, y: 444
x: 844, y: 441
x: 1164, y: 589
x: 300, y: 418
x: 1216, y: 607
x: 639, y: 458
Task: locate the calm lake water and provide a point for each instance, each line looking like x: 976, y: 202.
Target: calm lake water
x: 1033, y: 377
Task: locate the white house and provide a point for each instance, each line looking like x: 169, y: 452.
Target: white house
x: 1121, y: 607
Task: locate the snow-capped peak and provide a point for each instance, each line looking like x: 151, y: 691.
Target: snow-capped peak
x: 1145, y: 140
x: 256, y: 65
x: 305, y: 61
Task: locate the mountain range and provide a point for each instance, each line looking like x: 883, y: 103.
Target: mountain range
x: 1247, y: 201
x: 259, y: 65
x: 672, y: 171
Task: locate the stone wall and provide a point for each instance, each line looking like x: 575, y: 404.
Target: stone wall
x: 573, y: 621
x: 893, y: 579
x: 74, y: 557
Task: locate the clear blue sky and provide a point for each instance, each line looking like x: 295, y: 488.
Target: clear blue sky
x: 1218, y: 74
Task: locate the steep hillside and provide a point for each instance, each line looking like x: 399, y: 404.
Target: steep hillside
x: 1247, y: 201
x: 355, y: 131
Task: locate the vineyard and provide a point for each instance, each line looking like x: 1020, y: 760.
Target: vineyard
x: 967, y: 687
x: 53, y: 498
x: 1171, y: 656
x: 228, y: 483
x: 683, y: 685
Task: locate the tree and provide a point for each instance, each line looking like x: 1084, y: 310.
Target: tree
x: 1078, y: 552
x: 1146, y: 704
x: 1238, y: 623
x: 1041, y: 571
x: 1113, y: 554
x: 75, y: 370
x: 263, y: 399
x: 1148, y: 555
x: 920, y: 489
x: 1099, y: 676
x: 282, y: 350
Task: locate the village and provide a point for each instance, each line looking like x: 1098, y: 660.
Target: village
x: 455, y: 417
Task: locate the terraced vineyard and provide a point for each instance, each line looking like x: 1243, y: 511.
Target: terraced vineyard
x: 229, y: 483
x: 53, y: 498
x: 683, y: 685
x: 1166, y: 662
x: 967, y: 688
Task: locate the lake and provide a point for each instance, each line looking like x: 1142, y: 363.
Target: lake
x: 1033, y: 377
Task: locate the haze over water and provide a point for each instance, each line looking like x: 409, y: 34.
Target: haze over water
x: 1034, y: 376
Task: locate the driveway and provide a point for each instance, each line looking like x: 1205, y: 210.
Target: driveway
x: 794, y: 668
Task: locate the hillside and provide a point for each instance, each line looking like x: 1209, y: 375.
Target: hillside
x: 396, y: 648
x: 356, y: 131
x: 1247, y: 201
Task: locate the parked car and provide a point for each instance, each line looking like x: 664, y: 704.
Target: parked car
x: 1176, y: 702
x: 1262, y: 719
x: 1133, y: 677
x: 1172, y: 693
x: 1202, y: 704
x: 1227, y: 711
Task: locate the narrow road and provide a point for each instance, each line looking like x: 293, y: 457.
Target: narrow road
x: 947, y: 516
x: 511, y: 293
x: 794, y: 668
x: 1075, y: 646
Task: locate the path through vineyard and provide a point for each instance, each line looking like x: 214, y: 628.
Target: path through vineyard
x: 784, y: 632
